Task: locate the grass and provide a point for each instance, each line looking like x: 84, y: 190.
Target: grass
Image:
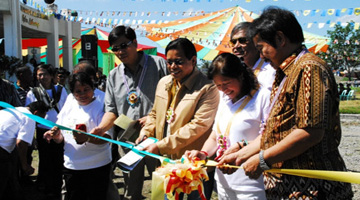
x: 351, y: 106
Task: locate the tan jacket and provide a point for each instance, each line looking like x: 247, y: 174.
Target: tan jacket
x: 196, y: 105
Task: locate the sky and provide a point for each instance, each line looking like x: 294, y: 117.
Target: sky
x: 207, y: 6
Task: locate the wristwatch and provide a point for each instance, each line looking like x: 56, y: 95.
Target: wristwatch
x: 262, y: 163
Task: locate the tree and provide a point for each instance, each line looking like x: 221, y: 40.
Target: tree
x: 344, y: 49
x: 204, y: 65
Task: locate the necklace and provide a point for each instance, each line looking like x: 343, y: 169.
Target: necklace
x: 133, y: 96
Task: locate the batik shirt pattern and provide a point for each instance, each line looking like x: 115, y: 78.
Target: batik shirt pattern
x: 308, y: 99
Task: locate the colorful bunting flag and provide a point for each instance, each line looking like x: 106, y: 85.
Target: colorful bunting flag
x: 357, y: 11
x: 330, y: 11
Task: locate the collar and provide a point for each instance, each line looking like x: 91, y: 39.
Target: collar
x: 141, y: 63
x: 189, y: 81
x: 285, y: 65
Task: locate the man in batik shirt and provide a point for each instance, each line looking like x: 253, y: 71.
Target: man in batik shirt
x: 303, y: 128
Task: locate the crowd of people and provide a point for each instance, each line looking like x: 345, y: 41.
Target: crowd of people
x: 268, y: 104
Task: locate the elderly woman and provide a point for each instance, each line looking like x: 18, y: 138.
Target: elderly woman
x: 86, y: 159
x: 242, y: 108
x: 185, y: 104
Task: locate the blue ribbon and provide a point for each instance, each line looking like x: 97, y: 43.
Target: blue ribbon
x: 52, y: 124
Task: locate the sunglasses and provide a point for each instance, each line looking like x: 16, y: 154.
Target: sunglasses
x: 121, y: 46
x: 177, y: 62
x: 241, y: 40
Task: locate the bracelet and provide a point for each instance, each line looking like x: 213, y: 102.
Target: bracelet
x: 239, y: 145
x: 204, y: 152
x: 262, y: 163
x: 245, y: 142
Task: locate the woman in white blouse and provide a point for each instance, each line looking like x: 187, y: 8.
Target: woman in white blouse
x: 241, y: 110
x: 87, y: 159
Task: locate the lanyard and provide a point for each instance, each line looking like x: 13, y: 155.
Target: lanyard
x: 241, y: 107
x: 141, y: 77
x: 258, y: 67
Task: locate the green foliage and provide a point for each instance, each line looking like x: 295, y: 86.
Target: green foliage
x: 344, y: 49
x: 204, y: 65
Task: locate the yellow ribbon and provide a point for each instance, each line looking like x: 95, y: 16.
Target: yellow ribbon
x: 341, y: 176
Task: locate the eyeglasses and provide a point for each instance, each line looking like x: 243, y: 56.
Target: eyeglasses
x: 121, y: 46
x: 241, y: 40
x: 177, y: 62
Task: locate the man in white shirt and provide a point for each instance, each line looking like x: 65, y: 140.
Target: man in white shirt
x: 16, y: 130
x: 244, y: 48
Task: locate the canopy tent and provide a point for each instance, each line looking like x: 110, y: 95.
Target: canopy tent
x: 211, y: 32
x: 316, y: 43
x: 106, y: 59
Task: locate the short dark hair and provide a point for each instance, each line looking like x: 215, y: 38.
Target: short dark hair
x: 275, y: 19
x: 83, y: 78
x: 185, y: 45
x: 229, y: 65
x: 22, y: 70
x: 85, y: 66
x: 39, y: 106
x: 240, y: 26
x: 119, y: 31
x: 48, y: 67
x: 62, y: 70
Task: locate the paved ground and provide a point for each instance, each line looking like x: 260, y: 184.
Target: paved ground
x: 349, y: 149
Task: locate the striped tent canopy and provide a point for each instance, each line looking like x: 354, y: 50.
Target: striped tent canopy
x: 210, y: 32
x: 106, y: 59
x: 316, y: 43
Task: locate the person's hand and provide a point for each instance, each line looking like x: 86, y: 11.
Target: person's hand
x: 52, y: 134
x: 232, y: 149
x: 97, y: 131
x: 80, y: 137
x: 28, y: 170
x: 140, y: 139
x: 252, y: 167
x: 152, y: 148
x: 229, y: 159
x: 142, y: 121
x: 190, y: 155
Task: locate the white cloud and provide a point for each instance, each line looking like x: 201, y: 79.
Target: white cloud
x: 348, y: 18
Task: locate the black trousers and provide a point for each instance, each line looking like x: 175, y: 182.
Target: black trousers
x: 51, y: 160
x: 5, y: 172
x: 90, y: 184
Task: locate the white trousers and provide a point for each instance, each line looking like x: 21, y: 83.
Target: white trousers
x: 228, y: 194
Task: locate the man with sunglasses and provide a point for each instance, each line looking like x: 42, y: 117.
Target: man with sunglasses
x: 130, y: 90
x: 244, y: 48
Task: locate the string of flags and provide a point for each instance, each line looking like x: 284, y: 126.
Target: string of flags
x: 311, y: 12
x: 114, y: 18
